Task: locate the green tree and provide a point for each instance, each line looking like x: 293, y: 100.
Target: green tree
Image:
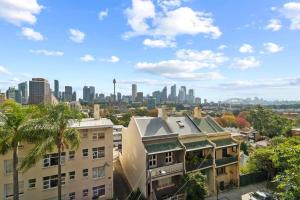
x: 15, y: 127
x: 244, y: 148
x: 56, y: 134
x: 194, y: 185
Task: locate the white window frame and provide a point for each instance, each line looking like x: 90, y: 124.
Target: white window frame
x: 169, y: 158
x: 8, y: 167
x: 98, y: 152
x: 98, y: 172
x: 48, y: 179
x: 48, y: 157
x: 31, y: 183
x: 8, y: 190
x: 99, y: 190
x: 98, y: 135
x: 85, y: 173
x: 87, y: 153
x: 152, y: 161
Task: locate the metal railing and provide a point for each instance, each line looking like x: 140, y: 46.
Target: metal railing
x: 226, y: 160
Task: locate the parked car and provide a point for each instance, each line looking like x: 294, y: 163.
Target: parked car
x: 259, y: 195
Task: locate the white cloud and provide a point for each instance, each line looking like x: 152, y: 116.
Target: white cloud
x: 103, y: 14
x: 272, y: 47
x: 274, y: 25
x: 158, y: 43
x: 291, y: 11
x: 245, y: 63
x: 31, y: 34
x: 19, y: 11
x: 87, y: 58
x: 246, y: 48
x: 46, y: 52
x: 222, y: 47
x: 76, y: 35
x: 4, y: 71
x: 186, y: 66
x: 169, y: 4
x: 144, y: 20
x: 146, y: 82
x: 112, y: 59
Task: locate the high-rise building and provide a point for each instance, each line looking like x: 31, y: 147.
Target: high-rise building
x: 114, y: 82
x: 134, y: 92
x: 119, y: 97
x: 13, y: 93
x: 68, y: 93
x: 23, y: 89
x: 92, y: 94
x: 191, y: 96
x: 173, y: 96
x: 39, y: 91
x: 151, y: 103
x: 56, y: 89
x: 74, y: 96
x: 140, y: 97
x: 197, y: 100
x: 164, y: 95
x: 89, y: 94
x: 156, y: 95
x: 182, y: 94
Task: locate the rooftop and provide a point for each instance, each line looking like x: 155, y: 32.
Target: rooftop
x: 92, y: 123
x: 152, y: 126
x: 163, y: 147
x: 204, y: 144
x: 208, y: 125
x: 182, y: 125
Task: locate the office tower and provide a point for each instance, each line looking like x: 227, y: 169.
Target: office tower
x: 68, y: 93
x: 134, y: 91
x: 114, y: 82
x: 156, y: 95
x: 140, y: 97
x: 119, y: 95
x: 182, y: 94
x: 191, y: 96
x: 56, y: 89
x: 2, y: 97
x: 23, y: 90
x: 151, y: 104
x: 89, y: 94
x: 92, y: 94
x: 173, y: 96
x: 164, y: 95
x: 14, y: 94
x: 39, y: 91
x: 197, y: 100
x: 74, y: 96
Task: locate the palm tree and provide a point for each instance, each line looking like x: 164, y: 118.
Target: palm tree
x: 56, y: 135
x: 15, y: 124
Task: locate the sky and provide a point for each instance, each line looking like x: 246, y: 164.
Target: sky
x: 222, y: 49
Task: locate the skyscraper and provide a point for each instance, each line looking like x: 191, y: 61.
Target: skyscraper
x: 39, y: 91
x: 74, y: 96
x: 114, y: 82
x: 92, y: 94
x: 173, y: 95
x: 191, y: 96
x: 151, y: 104
x: 156, y: 95
x: 13, y: 93
x: 68, y: 93
x: 119, y: 97
x: 164, y: 95
x: 56, y: 89
x: 89, y: 94
x: 140, y: 97
x: 134, y: 92
x: 182, y: 94
x: 23, y: 89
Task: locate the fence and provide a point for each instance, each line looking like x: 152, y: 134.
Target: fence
x: 248, y: 179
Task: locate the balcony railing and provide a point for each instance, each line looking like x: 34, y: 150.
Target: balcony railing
x: 198, y: 165
x: 166, y: 170
x: 226, y: 160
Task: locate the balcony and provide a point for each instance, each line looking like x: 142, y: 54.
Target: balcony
x: 166, y: 170
x: 226, y: 160
x: 200, y: 164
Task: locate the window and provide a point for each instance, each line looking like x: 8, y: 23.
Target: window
x: 85, y: 172
x: 98, y: 191
x: 224, y: 152
x: 72, y: 196
x: 71, y: 155
x: 52, y: 159
x: 8, y: 167
x: 162, y: 183
x: 31, y: 183
x: 84, y: 133
x: 98, y: 152
x: 72, y: 175
x: 85, y: 152
x: 52, y: 181
x: 234, y: 149
x: 152, y: 161
x: 98, y: 135
x: 99, y: 172
x: 169, y: 157
x: 8, y: 189
x: 180, y: 124
x: 221, y: 171
x: 85, y: 192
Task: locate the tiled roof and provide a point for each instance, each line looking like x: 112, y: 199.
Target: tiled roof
x: 208, y: 125
x: 163, y: 147
x: 197, y: 145
x: 187, y: 126
x: 224, y: 142
x: 150, y: 126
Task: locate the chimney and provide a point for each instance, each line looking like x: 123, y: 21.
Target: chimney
x: 96, y: 111
x: 197, y: 112
x: 162, y: 113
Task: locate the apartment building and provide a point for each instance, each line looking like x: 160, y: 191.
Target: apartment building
x: 157, y: 151
x: 87, y: 172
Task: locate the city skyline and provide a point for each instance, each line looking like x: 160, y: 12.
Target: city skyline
x: 253, y: 55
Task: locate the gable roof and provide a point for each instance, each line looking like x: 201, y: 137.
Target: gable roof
x: 152, y: 126
x: 182, y: 125
x: 208, y: 125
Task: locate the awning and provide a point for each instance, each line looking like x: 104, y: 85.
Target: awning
x: 163, y: 147
x: 225, y: 143
x: 197, y: 145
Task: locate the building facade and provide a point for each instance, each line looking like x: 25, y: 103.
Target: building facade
x: 133, y: 92
x: 87, y: 172
x: 39, y: 91
x: 23, y: 89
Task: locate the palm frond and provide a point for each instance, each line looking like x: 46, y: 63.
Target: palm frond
x: 71, y: 136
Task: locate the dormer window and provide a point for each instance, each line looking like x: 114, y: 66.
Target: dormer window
x: 180, y: 124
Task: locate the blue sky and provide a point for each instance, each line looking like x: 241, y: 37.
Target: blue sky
x: 222, y: 49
